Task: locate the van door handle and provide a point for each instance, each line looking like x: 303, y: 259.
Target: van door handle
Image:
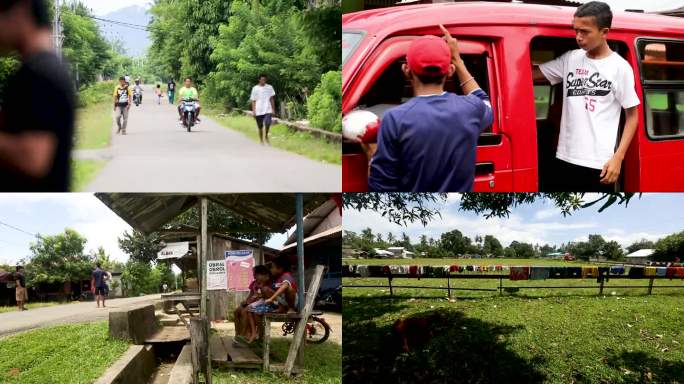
x: 484, y: 172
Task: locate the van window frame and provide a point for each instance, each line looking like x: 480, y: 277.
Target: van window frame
x: 658, y: 85
x: 357, y: 44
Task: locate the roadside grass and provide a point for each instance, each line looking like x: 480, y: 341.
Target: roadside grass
x: 83, y: 172
x: 29, y: 306
x: 531, y: 336
x: 69, y: 354
x: 281, y: 137
x: 93, y: 126
x: 322, y: 365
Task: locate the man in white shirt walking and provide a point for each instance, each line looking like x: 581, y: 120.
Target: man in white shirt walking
x: 598, y: 84
x: 263, y: 106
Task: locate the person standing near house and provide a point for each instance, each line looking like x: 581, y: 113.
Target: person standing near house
x: 21, y: 295
x: 98, y: 283
x: 263, y: 106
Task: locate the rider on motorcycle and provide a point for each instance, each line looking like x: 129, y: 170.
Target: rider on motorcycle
x: 188, y: 93
x: 137, y: 90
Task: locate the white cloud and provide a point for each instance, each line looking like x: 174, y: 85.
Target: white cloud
x: 548, y: 213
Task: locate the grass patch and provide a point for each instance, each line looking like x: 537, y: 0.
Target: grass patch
x: 83, y: 172
x: 74, y: 353
x: 281, y: 137
x: 531, y: 336
x: 93, y: 126
x: 29, y: 306
x: 322, y: 365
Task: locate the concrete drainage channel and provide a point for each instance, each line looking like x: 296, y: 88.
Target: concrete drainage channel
x: 162, y: 355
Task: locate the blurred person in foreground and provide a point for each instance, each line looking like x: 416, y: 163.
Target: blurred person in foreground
x: 37, y: 114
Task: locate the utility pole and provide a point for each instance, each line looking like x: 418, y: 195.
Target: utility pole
x: 57, y: 29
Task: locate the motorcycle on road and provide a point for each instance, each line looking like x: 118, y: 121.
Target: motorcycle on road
x: 137, y: 97
x: 189, y: 113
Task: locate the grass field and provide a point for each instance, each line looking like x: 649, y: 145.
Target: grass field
x: 281, y: 137
x: 322, y: 365
x: 83, y: 172
x: 68, y: 354
x: 529, y: 336
x: 93, y: 126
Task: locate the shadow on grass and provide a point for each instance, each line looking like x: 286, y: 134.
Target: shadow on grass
x: 646, y: 368
x: 459, y: 350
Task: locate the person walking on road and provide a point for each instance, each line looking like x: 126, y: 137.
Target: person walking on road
x: 122, y: 104
x: 38, y: 125
x: 263, y: 106
x: 158, y: 93
x: 171, y: 90
x: 21, y: 294
x: 98, y: 283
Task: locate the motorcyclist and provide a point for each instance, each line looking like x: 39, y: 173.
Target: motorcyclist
x: 137, y: 90
x: 188, y: 92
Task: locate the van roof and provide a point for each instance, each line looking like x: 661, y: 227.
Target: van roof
x: 384, y: 21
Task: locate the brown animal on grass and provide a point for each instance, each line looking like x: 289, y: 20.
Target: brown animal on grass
x: 416, y: 331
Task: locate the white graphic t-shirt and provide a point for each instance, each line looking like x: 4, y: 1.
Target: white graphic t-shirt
x: 594, y: 93
x: 262, y: 96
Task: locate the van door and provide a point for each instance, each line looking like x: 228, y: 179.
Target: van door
x: 661, y: 149
x: 380, y: 85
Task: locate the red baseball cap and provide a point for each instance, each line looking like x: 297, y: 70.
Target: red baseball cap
x: 428, y: 52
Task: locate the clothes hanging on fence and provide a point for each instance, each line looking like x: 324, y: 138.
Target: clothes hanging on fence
x: 470, y: 268
x: 413, y: 270
x: 404, y: 269
x: 574, y: 272
x: 558, y: 273
x: 603, y: 274
x: 375, y: 271
x: 589, y: 272
x: 346, y: 270
x: 617, y: 270
x: 649, y: 271
x: 636, y: 272
x: 670, y: 272
x: 679, y: 272
x: 428, y: 271
x: 539, y: 273
x: 395, y: 269
x: 363, y: 270
x: 453, y: 268
x: 661, y: 271
x: 386, y: 270
x: 519, y: 273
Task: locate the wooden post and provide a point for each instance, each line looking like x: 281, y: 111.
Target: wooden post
x: 199, y: 339
x: 449, y: 285
x: 389, y: 280
x: 298, y: 337
x: 299, y: 205
x: 601, y: 287
x: 204, y: 202
x: 650, y: 285
x: 267, y: 343
x: 500, y: 286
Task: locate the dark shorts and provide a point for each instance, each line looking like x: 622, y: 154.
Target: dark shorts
x: 100, y: 291
x: 263, y: 120
x: 569, y: 177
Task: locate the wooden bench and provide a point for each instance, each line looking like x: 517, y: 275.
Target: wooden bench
x: 307, y: 311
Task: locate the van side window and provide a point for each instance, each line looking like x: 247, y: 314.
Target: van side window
x: 662, y: 78
x: 393, y: 88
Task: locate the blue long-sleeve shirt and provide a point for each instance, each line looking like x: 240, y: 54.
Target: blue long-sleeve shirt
x: 428, y: 144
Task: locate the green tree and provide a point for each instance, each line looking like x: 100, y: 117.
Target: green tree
x: 140, y: 247
x: 454, y: 243
x: 522, y: 250
x: 612, y: 250
x: 58, y: 258
x: 137, y: 278
x: 641, y: 244
x: 324, y: 107
x: 492, y: 246
x: 670, y: 248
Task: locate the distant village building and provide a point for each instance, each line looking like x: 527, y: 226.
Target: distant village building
x: 642, y: 256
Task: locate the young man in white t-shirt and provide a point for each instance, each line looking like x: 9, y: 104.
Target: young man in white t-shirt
x: 263, y: 106
x: 597, y: 84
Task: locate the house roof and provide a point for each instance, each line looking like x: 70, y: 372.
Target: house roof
x: 313, y: 220
x: 642, y: 253
x: 322, y: 236
x: 148, y: 212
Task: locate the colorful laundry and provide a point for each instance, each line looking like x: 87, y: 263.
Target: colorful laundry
x: 589, y: 272
x: 617, y: 270
x: 519, y: 273
x: 661, y: 271
x: 603, y: 274
x: 539, y: 273
x: 376, y: 271
x: 649, y: 271
x: 679, y: 272
x: 636, y: 272
x: 413, y: 270
x: 363, y: 270
x: 574, y: 272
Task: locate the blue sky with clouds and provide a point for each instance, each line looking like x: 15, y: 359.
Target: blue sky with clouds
x: 49, y: 214
x: 652, y: 216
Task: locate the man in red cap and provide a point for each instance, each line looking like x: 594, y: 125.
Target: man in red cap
x: 428, y: 143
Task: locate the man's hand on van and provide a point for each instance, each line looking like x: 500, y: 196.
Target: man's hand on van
x: 537, y: 76
x: 453, y: 46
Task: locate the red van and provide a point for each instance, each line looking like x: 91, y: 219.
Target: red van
x: 499, y: 43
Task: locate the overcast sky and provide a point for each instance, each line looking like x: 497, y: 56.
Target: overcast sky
x: 652, y: 216
x: 102, y: 7
x: 49, y: 214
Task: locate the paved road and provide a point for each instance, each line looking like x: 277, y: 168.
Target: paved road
x: 158, y: 155
x: 12, y: 322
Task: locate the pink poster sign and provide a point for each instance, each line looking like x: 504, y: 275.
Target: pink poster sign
x: 239, y: 266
